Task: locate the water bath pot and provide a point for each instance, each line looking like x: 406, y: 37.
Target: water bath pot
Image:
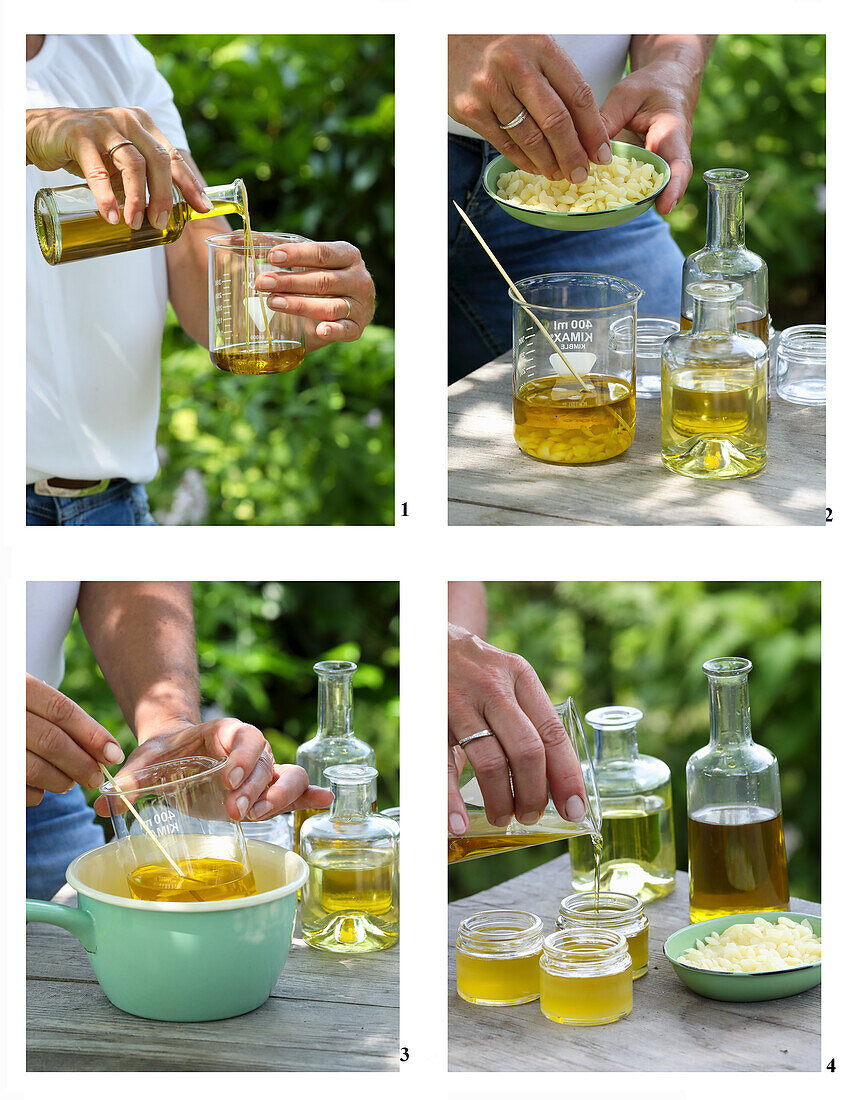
x: 182, y: 961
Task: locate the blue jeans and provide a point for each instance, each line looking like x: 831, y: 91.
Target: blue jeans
x: 642, y: 251
x: 60, y: 828
x: 123, y: 504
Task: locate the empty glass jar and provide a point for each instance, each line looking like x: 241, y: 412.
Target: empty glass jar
x: 801, y: 365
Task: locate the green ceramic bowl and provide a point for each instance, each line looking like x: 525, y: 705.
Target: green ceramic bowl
x: 204, y: 960
x: 740, y: 987
x: 603, y: 219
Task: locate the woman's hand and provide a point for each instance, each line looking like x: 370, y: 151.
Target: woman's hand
x: 259, y: 788
x: 498, y: 691
x: 64, y: 744
x: 335, y: 293
x: 492, y: 78
x: 79, y: 140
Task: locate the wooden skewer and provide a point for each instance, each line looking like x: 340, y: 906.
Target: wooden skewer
x: 132, y: 809
x: 525, y: 307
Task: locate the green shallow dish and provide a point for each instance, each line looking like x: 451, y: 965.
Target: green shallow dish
x: 740, y: 987
x: 602, y: 219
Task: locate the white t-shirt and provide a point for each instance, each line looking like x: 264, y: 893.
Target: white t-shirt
x: 601, y: 58
x: 94, y: 327
x: 50, y: 611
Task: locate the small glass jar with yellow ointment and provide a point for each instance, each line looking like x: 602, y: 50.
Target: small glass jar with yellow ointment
x: 496, y: 956
x: 586, y: 977
x: 616, y: 913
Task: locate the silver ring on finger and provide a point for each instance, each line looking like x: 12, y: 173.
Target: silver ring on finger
x: 117, y: 145
x: 515, y: 121
x: 475, y: 737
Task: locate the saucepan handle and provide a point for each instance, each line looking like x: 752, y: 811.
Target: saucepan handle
x: 76, y: 921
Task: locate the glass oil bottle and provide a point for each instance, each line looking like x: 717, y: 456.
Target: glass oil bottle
x: 736, y: 849
x: 70, y: 227
x: 724, y: 256
x: 638, y: 856
x: 335, y: 741
x: 714, y: 387
x: 350, y: 902
x: 484, y: 839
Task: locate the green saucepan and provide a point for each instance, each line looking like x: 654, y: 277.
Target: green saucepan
x: 602, y: 219
x: 740, y: 987
x: 182, y: 960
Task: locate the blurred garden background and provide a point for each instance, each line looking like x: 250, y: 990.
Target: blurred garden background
x: 762, y: 108
x: 308, y: 122
x: 257, y: 644
x: 642, y: 644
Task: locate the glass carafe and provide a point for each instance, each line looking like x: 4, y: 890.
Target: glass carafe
x: 714, y: 385
x: 724, y: 255
x: 70, y: 227
x: 350, y: 902
x: 736, y: 850
x: 335, y: 741
x: 484, y: 839
x: 638, y: 856
x: 575, y: 404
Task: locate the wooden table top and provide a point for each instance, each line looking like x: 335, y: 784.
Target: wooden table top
x: 670, y: 1027
x: 327, y: 1012
x: 492, y: 482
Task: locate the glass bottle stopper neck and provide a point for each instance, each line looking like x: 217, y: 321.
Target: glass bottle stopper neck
x: 729, y: 707
x: 725, y: 211
x: 615, y: 732
x: 714, y: 305
x: 353, y: 788
x: 334, y: 706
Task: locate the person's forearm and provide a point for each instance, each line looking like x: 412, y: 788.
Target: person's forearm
x: 689, y: 50
x: 468, y: 606
x: 142, y: 635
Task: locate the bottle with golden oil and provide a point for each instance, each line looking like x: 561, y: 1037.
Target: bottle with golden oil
x: 350, y: 902
x: 714, y: 385
x: 484, y: 839
x: 496, y: 957
x: 335, y: 741
x: 585, y: 977
x: 621, y: 913
x: 724, y: 256
x: 70, y: 227
x: 736, y: 850
x: 638, y: 856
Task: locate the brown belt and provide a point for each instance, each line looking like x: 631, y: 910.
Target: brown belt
x: 68, y: 487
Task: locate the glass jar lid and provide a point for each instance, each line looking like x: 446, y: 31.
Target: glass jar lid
x: 589, y: 953
x: 500, y: 934
x: 621, y: 913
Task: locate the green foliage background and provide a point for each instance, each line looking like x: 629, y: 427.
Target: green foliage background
x: 642, y: 644
x: 762, y: 108
x: 308, y: 122
x: 257, y: 644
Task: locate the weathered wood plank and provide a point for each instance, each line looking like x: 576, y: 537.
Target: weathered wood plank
x: 490, y: 481
x: 669, y: 1028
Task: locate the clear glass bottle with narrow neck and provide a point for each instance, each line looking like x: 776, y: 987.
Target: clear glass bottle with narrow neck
x: 714, y: 386
x: 335, y: 741
x: 70, y: 226
x: 736, y: 849
x: 638, y: 856
x: 725, y: 257
x: 350, y: 902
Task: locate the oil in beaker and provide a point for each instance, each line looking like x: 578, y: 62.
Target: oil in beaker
x: 259, y: 358
x: 205, y: 879
x: 556, y: 420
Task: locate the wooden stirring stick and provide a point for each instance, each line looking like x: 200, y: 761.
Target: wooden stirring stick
x: 132, y: 809
x: 525, y: 307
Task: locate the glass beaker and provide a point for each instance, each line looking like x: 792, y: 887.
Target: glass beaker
x: 70, y: 227
x: 188, y: 849
x: 246, y: 336
x: 577, y: 404
x: 650, y: 334
x: 638, y: 856
x: 484, y: 839
x: 724, y: 255
x: 350, y: 902
x: 714, y: 385
x: 335, y: 741
x: 736, y: 848
x: 802, y: 365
